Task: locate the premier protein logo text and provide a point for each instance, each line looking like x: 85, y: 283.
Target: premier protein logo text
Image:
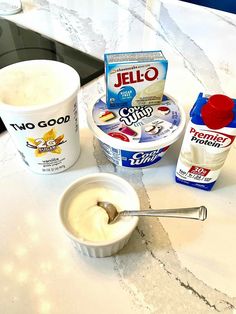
x: 211, y: 138
x: 132, y: 77
x: 132, y: 115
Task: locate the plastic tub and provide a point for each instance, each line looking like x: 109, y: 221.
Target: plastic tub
x: 38, y: 105
x: 136, y: 136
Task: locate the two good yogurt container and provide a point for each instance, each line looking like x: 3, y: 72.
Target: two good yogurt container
x: 136, y: 136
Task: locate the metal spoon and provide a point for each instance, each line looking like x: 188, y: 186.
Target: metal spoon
x: 199, y: 213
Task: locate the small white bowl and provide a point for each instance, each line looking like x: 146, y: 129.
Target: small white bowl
x: 128, y: 196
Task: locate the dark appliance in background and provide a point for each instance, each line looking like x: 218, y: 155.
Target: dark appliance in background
x: 223, y: 5
x: 21, y: 44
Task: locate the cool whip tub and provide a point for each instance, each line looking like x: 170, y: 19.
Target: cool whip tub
x: 38, y: 104
x: 136, y: 136
x: 86, y: 224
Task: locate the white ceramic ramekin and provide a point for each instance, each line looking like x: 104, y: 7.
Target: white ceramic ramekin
x: 104, y: 248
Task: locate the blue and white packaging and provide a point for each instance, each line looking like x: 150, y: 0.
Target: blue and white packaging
x: 135, y: 78
x: 136, y: 136
x: 208, y: 138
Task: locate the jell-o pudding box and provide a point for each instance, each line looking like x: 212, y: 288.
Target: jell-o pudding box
x: 208, y: 138
x: 135, y: 78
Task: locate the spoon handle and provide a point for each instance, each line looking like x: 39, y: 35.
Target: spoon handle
x: 199, y: 213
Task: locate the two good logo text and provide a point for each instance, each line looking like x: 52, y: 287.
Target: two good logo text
x: 41, y: 124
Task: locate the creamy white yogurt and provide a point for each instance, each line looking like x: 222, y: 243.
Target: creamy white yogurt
x: 88, y: 221
x: 33, y: 84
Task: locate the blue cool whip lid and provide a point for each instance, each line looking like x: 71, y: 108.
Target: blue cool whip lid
x: 137, y: 128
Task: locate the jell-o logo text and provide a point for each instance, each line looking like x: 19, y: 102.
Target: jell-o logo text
x: 131, y: 77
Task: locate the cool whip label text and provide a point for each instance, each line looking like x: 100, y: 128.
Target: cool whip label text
x: 132, y: 115
x: 141, y: 158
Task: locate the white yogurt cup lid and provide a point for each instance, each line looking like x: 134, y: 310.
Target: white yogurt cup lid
x: 137, y: 128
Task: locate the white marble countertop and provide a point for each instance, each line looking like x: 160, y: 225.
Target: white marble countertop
x: 168, y: 266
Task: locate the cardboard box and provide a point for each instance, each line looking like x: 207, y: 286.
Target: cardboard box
x: 135, y: 78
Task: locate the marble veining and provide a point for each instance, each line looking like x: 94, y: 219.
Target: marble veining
x: 203, y: 70
x: 152, y: 253
x: 167, y: 266
x: 75, y: 26
x: 150, y: 250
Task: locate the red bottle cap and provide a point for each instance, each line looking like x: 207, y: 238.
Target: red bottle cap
x: 218, y: 112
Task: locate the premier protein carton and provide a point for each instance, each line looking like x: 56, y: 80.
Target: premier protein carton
x: 135, y: 78
x: 208, y: 138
